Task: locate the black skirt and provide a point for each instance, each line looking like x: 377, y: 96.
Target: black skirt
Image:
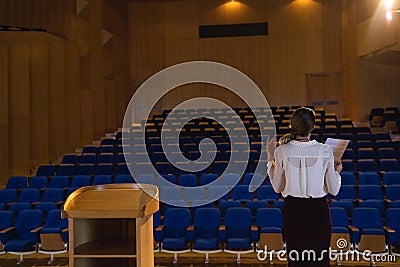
x: 307, y: 230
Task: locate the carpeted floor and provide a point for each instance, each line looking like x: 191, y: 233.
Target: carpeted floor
x: 184, y: 260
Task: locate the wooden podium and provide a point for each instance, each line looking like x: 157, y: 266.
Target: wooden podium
x: 111, y: 225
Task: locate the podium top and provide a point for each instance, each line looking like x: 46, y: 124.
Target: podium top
x: 112, y: 201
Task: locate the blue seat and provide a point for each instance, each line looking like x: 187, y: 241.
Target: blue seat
x: 365, y: 144
x: 17, y: 182
x: 104, y: 169
x: 391, y: 178
x: 254, y: 205
x: 65, y: 170
x: 120, y: 158
x: 348, y: 178
x: 145, y: 179
x: 101, y: 179
x: 367, y: 165
x: 6, y: 221
x: 188, y: 180
x: 238, y: 234
x: 393, y: 221
x: 121, y: 168
x: 107, y: 141
x: 25, y: 234
x: 369, y: 178
x: 349, y: 154
x: 89, y: 150
x: 219, y: 166
x: 45, y: 207
x: 387, y: 153
x: 171, y: 195
x: 29, y: 195
x: 54, y: 235
x: 208, y: 178
x: 80, y: 181
x: 386, y: 165
x: 85, y: 169
x: 242, y: 193
x: 70, y: 159
x: 88, y: 159
x: 348, y: 165
x: 173, y: 235
x: 59, y: 182
x: 119, y: 179
x: 347, y: 205
x: 226, y: 204
x: 269, y: 224
x: 340, y: 228
x: 45, y: 170
x: 367, y: 227
x: 106, y: 149
x: 370, y: 192
x: 229, y: 179
x: 366, y: 153
x: 164, y: 168
x: 393, y: 192
x: 218, y: 192
x: 105, y: 158
x: 346, y: 192
x: 38, y: 182
x: 266, y: 192
x: 378, y: 204
x: 383, y: 144
x: 55, y: 195
x: 8, y: 196
x: 249, y: 176
x: 17, y: 207
x: 205, y: 232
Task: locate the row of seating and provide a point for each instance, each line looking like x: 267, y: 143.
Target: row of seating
x: 236, y: 233
x: 29, y: 234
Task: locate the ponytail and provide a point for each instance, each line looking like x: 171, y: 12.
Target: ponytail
x: 287, y: 138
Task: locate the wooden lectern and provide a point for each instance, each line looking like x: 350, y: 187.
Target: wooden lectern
x: 111, y: 225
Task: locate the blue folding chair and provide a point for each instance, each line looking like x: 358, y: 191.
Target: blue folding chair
x: 393, y: 228
x: 205, y: 231
x: 17, y: 182
x: 25, y: 234
x: 173, y: 235
x: 59, y: 182
x: 39, y: 182
x: 237, y: 232
x: 45, y: 170
x: 391, y: 178
x: 242, y: 193
x: 370, y: 192
x: 269, y: 223
x: 369, y: 178
x: 65, y: 170
x: 54, y: 235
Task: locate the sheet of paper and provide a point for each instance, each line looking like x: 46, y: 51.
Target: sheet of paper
x: 338, y: 147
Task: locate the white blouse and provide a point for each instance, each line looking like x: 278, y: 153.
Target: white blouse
x: 304, y: 169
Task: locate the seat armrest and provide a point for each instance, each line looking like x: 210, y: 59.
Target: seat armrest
x: 353, y: 228
x: 388, y: 229
x: 254, y: 228
x: 254, y: 233
x: 37, y: 229
x: 222, y: 228
x: 6, y: 230
x: 159, y: 228
x: 190, y: 228
x: 387, y: 200
x: 190, y: 232
x: 64, y: 230
x: 222, y: 233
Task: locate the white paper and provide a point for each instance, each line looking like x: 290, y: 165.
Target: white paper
x: 338, y: 147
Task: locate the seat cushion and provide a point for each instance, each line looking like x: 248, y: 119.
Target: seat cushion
x: 271, y: 230
x: 174, y: 243
x: 49, y: 230
x: 210, y: 243
x: 19, y: 245
x: 372, y: 231
x: 238, y: 243
x: 340, y: 230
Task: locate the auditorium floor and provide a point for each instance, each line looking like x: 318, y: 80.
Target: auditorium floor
x: 184, y: 260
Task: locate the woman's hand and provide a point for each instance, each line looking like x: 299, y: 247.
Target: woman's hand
x: 338, y: 166
x: 270, y: 147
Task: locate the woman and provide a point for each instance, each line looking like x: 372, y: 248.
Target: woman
x: 304, y: 171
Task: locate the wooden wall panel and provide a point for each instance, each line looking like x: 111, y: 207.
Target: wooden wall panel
x: 39, y: 101
x: 18, y: 108
x: 304, y: 37
x: 3, y: 112
x: 57, y: 139
x: 72, y: 98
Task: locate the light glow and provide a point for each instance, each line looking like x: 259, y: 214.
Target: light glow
x: 389, y: 4
x: 389, y: 15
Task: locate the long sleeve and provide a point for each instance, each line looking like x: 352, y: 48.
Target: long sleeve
x: 276, y: 173
x: 332, y: 178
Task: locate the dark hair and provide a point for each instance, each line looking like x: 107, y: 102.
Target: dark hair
x: 301, y: 124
